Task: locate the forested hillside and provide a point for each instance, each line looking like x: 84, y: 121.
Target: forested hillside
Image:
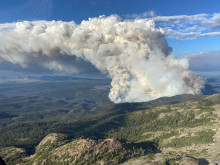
x: 145, y: 132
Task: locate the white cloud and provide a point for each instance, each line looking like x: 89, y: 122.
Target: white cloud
x: 190, y: 34
x: 185, y: 26
x: 142, y: 15
x: 213, y: 22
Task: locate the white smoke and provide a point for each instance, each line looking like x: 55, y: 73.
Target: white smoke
x: 133, y: 53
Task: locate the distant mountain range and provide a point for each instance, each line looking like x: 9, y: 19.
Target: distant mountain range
x: 46, y: 78
x: 56, y: 78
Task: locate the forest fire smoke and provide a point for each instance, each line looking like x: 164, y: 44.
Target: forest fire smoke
x: 133, y: 53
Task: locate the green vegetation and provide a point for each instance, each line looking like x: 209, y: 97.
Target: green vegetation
x: 138, y: 123
x: 201, y: 137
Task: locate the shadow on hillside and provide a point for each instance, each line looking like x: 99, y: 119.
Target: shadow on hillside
x: 148, y: 146
x: 202, y: 161
x: 104, y: 120
x: 2, y: 161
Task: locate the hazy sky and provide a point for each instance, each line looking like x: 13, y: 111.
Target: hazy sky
x: 191, y: 26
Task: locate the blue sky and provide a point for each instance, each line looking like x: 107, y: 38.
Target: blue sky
x: 67, y: 10
x: 191, y: 26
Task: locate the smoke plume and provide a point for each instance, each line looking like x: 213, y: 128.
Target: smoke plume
x: 133, y: 53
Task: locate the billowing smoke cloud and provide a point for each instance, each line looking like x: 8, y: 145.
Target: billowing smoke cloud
x: 133, y: 53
